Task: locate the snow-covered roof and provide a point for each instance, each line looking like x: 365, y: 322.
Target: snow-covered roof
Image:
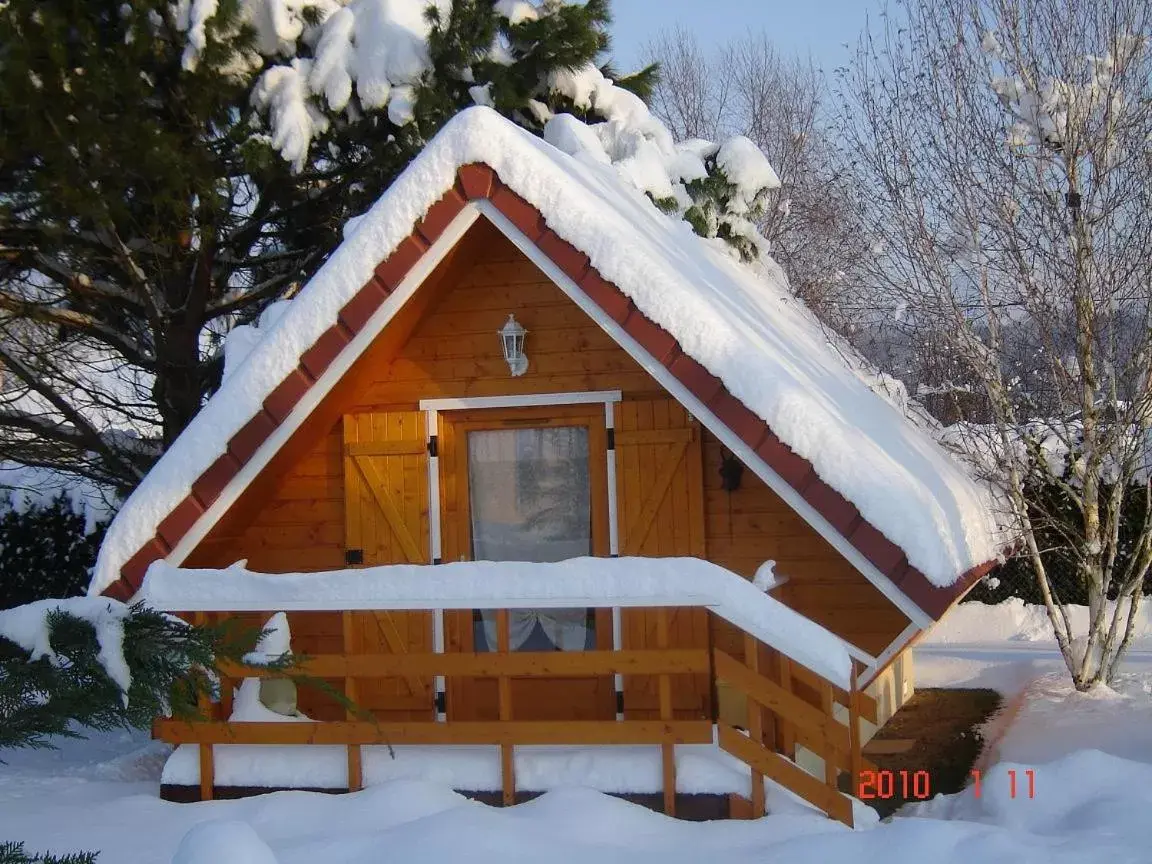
x: 627, y: 582
x: 738, y: 323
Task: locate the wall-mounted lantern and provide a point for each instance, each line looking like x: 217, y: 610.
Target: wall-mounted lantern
x: 512, y: 340
x: 731, y: 472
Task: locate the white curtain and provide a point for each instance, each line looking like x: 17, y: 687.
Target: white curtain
x: 530, y: 501
x: 567, y: 629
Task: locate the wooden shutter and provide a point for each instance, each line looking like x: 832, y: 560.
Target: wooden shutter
x: 386, y: 522
x: 660, y: 505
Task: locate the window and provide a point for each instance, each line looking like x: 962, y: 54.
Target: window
x: 529, y: 500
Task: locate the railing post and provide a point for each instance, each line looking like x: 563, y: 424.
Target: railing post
x: 667, y: 749
x: 755, y: 724
x: 713, y: 693
x: 856, y: 757
x: 785, y: 739
x: 828, y: 706
x: 504, y: 683
x: 355, y: 757
x: 225, y: 681
x: 207, y: 757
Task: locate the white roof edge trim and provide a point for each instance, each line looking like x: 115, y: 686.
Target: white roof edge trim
x: 324, y: 384
x: 699, y: 410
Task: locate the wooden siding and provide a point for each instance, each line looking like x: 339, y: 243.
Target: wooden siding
x: 444, y: 344
x: 753, y: 524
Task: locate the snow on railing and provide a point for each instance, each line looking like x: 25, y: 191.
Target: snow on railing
x: 603, y: 582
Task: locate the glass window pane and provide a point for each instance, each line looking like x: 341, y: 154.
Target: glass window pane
x: 530, y: 501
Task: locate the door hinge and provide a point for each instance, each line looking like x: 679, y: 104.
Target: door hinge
x: 432, y: 448
x: 353, y: 556
x: 611, y: 439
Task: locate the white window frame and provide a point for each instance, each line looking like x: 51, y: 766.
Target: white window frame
x: 432, y: 409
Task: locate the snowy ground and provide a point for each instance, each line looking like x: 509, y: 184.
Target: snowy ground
x: 1086, y: 805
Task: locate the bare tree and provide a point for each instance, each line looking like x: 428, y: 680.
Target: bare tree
x: 1003, y: 157
x: 688, y: 96
x: 748, y: 88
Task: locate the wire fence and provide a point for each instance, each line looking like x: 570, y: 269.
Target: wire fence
x: 1017, y: 578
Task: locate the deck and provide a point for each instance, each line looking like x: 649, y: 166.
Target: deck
x: 773, y: 719
x: 788, y: 707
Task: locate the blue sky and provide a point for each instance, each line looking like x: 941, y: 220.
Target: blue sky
x: 800, y: 27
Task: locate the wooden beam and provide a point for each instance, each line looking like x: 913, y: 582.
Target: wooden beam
x: 786, y: 773
x: 385, y: 448
x: 828, y: 703
x: 576, y: 732
x: 856, y: 753
x: 205, y: 709
x: 355, y: 757
x: 519, y: 664
x: 504, y: 686
x: 207, y: 773
x: 667, y: 750
x: 755, y: 714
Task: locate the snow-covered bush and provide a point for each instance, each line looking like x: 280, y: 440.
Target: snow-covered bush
x: 47, y: 549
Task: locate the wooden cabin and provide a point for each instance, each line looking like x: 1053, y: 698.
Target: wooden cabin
x: 388, y: 419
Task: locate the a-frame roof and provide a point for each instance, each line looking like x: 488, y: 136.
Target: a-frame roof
x: 729, y: 342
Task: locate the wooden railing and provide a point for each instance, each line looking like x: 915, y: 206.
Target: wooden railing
x: 787, y: 706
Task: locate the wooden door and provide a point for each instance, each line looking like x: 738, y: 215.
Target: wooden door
x: 660, y: 502
x: 532, y: 698
x: 386, y: 522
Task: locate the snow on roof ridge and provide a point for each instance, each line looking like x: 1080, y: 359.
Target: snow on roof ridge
x: 509, y: 584
x: 743, y: 327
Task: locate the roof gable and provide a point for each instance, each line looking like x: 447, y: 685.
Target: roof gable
x: 683, y: 315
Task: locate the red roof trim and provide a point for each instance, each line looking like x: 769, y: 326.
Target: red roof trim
x: 480, y: 181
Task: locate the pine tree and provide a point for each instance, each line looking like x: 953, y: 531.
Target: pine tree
x: 144, y: 209
x: 169, y: 167
x: 168, y: 660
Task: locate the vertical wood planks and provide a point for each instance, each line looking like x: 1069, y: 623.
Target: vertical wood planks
x: 668, y: 749
x: 386, y: 484
x: 507, y: 765
x: 660, y: 493
x: 755, y: 725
